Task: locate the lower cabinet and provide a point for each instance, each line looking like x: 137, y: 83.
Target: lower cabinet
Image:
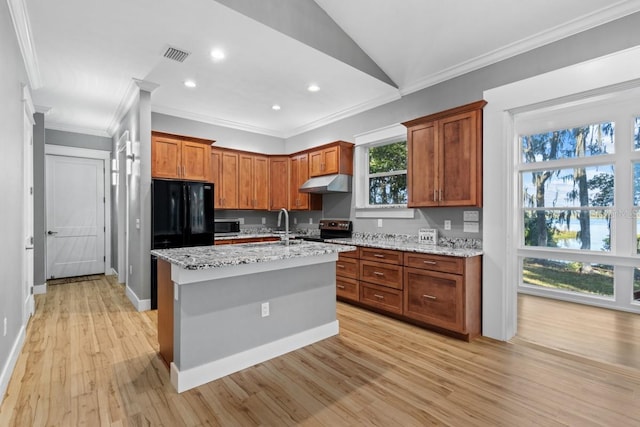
x: 441, y: 292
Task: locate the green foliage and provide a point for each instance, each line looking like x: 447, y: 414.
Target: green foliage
x: 569, y: 276
x: 388, y: 157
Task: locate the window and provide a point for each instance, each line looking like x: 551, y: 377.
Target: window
x: 387, y: 174
x: 380, y: 174
x: 577, y: 240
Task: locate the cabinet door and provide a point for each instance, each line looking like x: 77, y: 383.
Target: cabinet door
x: 331, y: 160
x: 216, y: 170
x: 316, y: 163
x: 166, y: 157
x: 435, y: 298
x: 261, y: 182
x: 422, y: 151
x: 195, y: 161
x: 229, y: 191
x: 279, y: 183
x: 245, y: 181
x: 459, y: 159
x: 299, y: 175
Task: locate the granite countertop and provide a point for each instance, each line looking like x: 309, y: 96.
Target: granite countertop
x: 409, y: 246
x: 205, y: 257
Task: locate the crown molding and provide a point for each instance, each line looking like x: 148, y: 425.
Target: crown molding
x: 578, y: 25
x: 146, y: 85
x: 22, y: 26
x: 214, y: 121
x: 76, y: 129
x: 343, y: 114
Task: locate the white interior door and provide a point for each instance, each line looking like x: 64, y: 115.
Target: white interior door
x: 75, y: 216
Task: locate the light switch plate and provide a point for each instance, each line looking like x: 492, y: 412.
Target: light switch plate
x: 380, y: 222
x: 471, y: 227
x: 473, y: 216
x: 447, y: 224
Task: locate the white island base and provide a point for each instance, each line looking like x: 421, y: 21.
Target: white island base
x: 217, y: 321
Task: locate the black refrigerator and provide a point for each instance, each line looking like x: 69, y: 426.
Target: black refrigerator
x: 181, y: 215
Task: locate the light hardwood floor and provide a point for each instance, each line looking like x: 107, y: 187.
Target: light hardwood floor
x: 90, y: 359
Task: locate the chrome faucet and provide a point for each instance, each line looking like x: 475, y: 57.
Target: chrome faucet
x: 286, y: 224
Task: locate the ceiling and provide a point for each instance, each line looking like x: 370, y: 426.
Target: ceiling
x: 87, y: 53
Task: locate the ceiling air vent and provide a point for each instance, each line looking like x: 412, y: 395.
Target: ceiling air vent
x: 176, y: 54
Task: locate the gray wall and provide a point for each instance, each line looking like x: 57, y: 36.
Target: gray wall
x: 224, y: 137
x: 78, y: 140
x: 39, y: 213
x: 11, y: 184
x: 611, y: 37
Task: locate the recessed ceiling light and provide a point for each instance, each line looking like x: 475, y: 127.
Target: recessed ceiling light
x: 313, y: 87
x: 275, y: 107
x: 217, y: 54
x: 190, y: 83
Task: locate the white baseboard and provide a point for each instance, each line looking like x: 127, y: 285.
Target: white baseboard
x: 7, y: 369
x: 40, y: 289
x: 139, y: 304
x: 194, y: 377
x: 114, y: 272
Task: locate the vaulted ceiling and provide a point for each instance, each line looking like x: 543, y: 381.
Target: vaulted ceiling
x: 360, y: 53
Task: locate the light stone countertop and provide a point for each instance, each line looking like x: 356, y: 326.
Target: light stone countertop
x: 205, y: 257
x: 409, y: 246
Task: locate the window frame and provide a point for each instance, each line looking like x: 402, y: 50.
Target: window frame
x: 365, y: 141
x: 621, y: 108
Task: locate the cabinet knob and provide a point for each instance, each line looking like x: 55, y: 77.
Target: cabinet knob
x: 340, y: 286
x: 429, y: 296
x: 430, y: 262
x: 378, y: 296
x: 378, y: 255
x: 377, y: 273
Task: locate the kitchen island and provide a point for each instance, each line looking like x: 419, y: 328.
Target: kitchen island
x: 224, y: 308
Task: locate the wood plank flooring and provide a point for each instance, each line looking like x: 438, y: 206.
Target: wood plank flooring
x: 90, y: 359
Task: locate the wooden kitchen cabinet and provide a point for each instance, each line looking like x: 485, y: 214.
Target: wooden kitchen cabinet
x: 180, y: 157
x: 299, y: 170
x: 444, y: 292
x: 253, y: 181
x: 333, y: 158
x: 347, y: 272
x: 444, y: 165
x: 278, y: 182
x: 227, y: 190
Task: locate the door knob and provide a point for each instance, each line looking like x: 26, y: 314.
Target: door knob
x: 51, y: 233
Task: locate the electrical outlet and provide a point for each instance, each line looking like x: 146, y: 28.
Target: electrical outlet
x: 264, y: 220
x: 380, y: 222
x: 241, y: 221
x: 310, y: 220
x: 447, y: 224
x: 131, y: 269
x: 295, y: 220
x: 4, y: 334
x: 265, y: 309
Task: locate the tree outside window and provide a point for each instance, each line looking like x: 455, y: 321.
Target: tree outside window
x: 387, y: 174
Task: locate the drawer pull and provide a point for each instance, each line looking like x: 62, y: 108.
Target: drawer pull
x: 339, y: 265
x: 340, y: 286
x: 377, y: 273
x: 378, y: 296
x: 430, y: 262
x: 378, y: 255
x: 428, y: 296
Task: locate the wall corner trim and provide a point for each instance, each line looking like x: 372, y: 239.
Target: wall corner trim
x: 22, y: 26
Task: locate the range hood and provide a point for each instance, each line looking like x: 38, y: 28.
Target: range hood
x: 338, y: 183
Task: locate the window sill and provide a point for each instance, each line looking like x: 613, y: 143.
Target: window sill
x: 385, y: 212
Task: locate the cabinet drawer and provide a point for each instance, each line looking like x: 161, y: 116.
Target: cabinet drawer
x: 347, y: 288
x: 350, y: 254
x: 381, y: 274
x: 347, y: 267
x: 434, y: 297
x: 446, y: 264
x: 381, y: 297
x: 381, y: 255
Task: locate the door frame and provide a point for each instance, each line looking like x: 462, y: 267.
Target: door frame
x: 105, y: 156
x: 28, y: 300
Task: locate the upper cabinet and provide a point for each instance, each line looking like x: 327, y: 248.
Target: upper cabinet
x: 336, y: 157
x: 224, y: 174
x: 253, y: 181
x: 299, y: 170
x: 177, y: 157
x: 445, y: 158
x: 279, y: 182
